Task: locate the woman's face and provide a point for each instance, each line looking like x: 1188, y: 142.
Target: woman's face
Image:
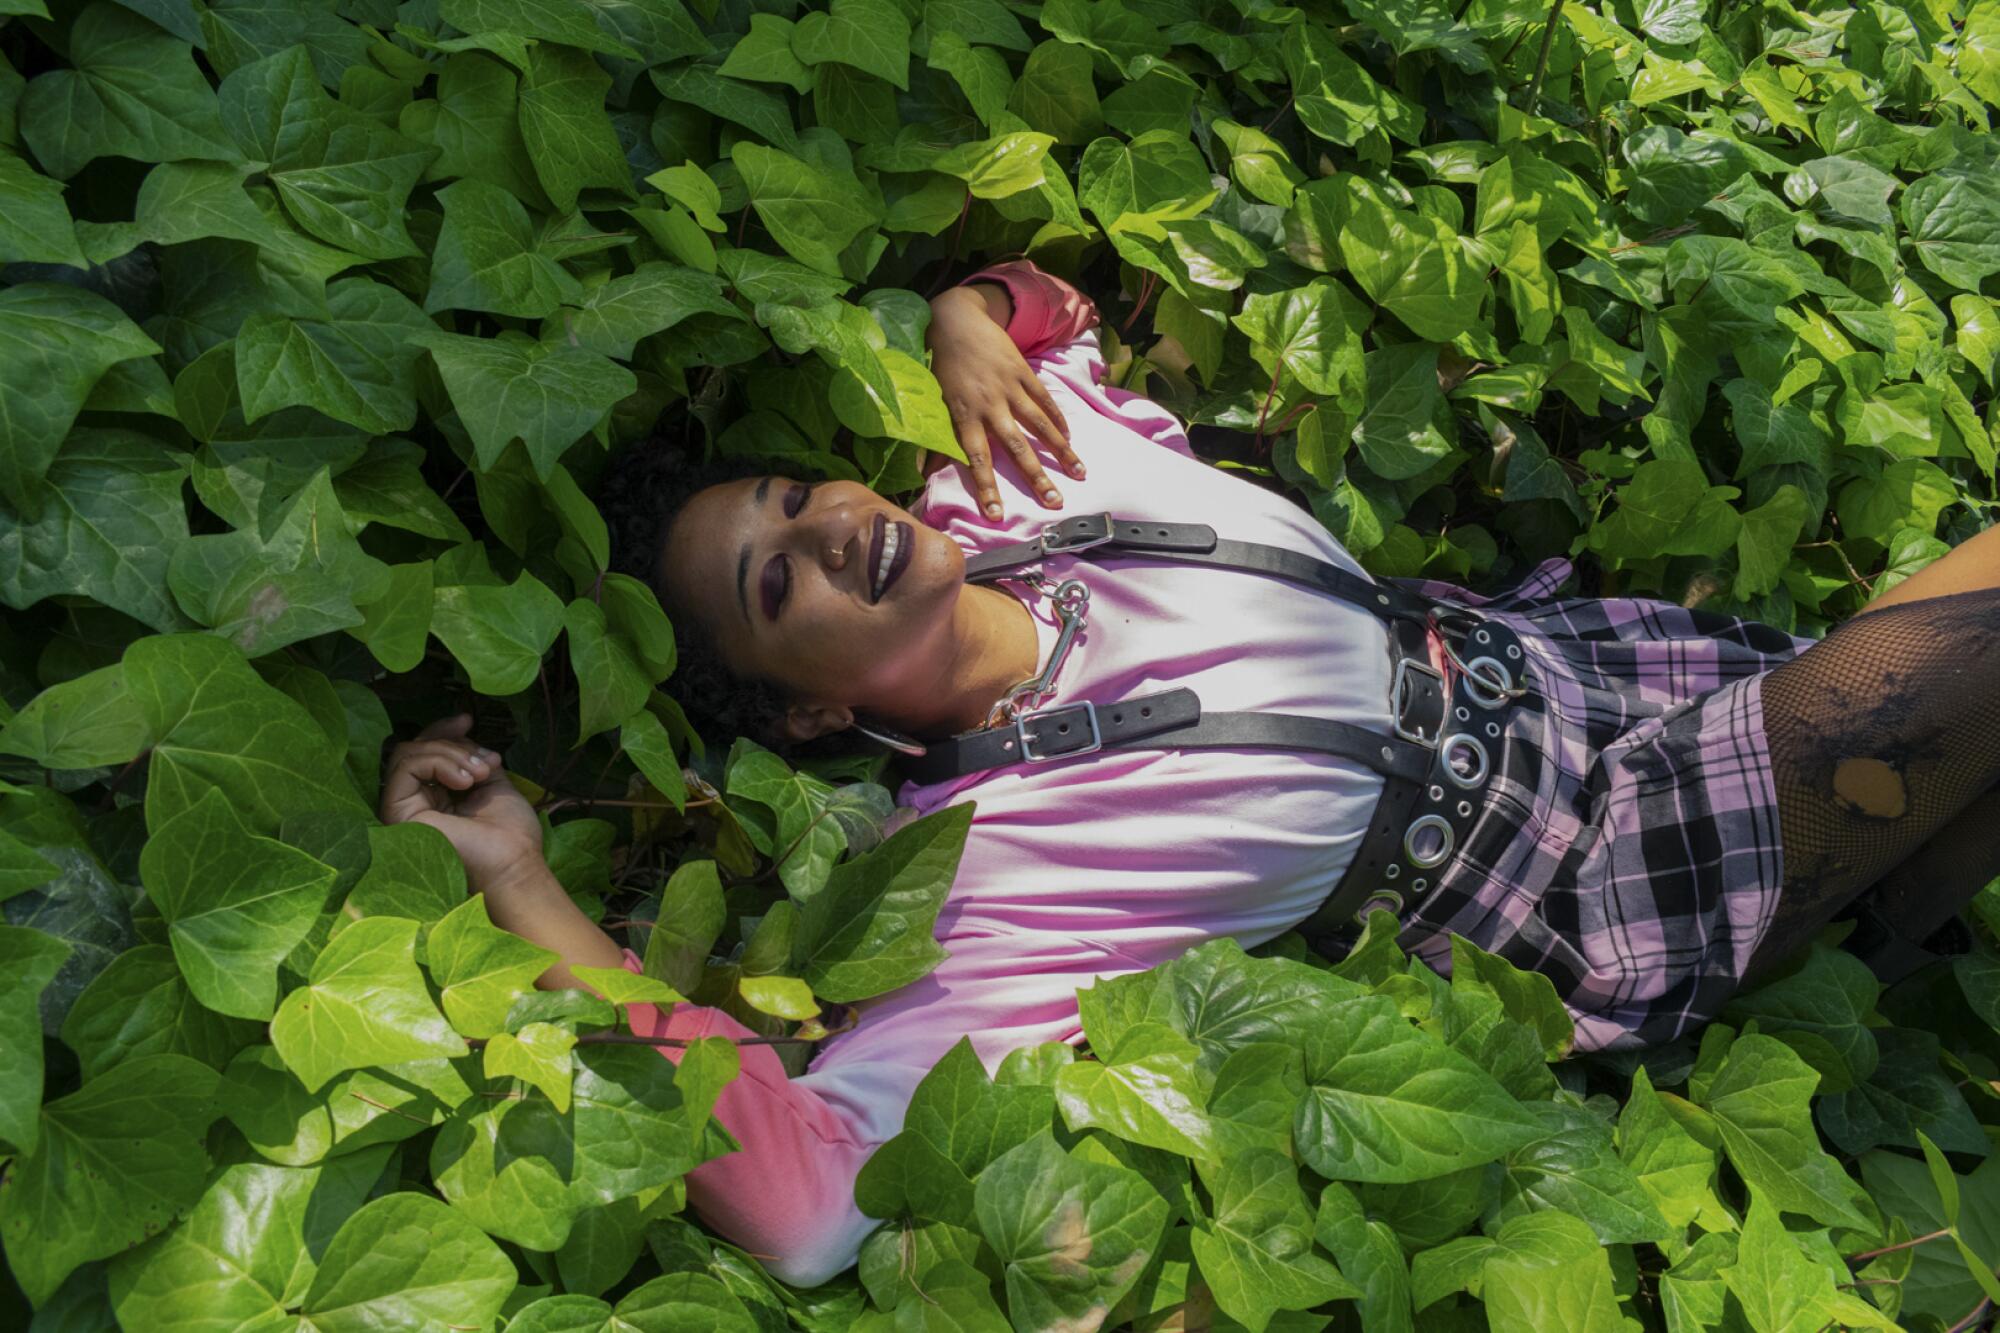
x: 824, y: 588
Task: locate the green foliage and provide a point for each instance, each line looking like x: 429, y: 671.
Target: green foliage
x: 317, y: 321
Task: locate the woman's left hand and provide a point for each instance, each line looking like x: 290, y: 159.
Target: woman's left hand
x: 993, y: 394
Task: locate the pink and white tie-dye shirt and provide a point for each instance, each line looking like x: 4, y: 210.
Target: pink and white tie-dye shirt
x: 1090, y: 868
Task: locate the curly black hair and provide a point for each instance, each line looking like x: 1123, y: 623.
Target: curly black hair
x: 642, y: 492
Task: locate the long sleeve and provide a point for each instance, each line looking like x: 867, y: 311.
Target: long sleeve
x: 787, y: 1195
x: 1048, y: 312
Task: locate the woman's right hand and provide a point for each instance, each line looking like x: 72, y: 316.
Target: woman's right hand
x: 992, y: 393
x: 446, y: 780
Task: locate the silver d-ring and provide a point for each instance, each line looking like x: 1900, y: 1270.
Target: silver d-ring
x: 1446, y: 836
x: 1488, y: 691
x: 1465, y: 740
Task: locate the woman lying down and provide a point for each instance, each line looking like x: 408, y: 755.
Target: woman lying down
x: 1229, y: 729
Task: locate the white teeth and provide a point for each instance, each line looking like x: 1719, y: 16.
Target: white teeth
x: 891, y: 542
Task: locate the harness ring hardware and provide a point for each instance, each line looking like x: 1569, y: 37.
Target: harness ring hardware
x: 1426, y: 860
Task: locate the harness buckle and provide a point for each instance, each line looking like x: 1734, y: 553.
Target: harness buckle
x: 1084, y: 532
x: 1085, y: 711
x: 1404, y: 667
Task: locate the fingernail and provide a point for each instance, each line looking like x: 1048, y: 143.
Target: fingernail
x: 1076, y: 470
x: 489, y: 756
x: 993, y: 511
x: 1052, y: 496
x: 464, y: 773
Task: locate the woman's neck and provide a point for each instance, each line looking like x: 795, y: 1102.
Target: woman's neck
x: 995, y: 646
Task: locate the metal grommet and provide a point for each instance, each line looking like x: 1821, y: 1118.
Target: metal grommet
x: 1436, y: 792
x: 1388, y: 753
x: 1464, y: 809
x: 1431, y: 855
x: 1482, y: 635
x: 1391, y: 870
x: 1492, y: 728
x: 1488, y: 691
x: 1462, y: 713
x: 1514, y: 650
x: 1419, y: 884
x: 1387, y: 900
x: 1460, y: 741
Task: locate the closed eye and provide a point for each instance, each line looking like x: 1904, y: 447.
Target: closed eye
x: 774, y: 585
x: 797, y: 498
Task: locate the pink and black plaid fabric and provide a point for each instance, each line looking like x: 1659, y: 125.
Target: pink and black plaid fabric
x: 1629, y: 849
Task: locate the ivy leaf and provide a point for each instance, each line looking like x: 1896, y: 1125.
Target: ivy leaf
x: 1386, y: 1102
x: 480, y: 970
x: 235, y: 904
x: 132, y: 91
x: 611, y: 319
x: 474, y: 123
x: 813, y: 212
x: 294, y: 1127
x: 1574, y: 1169
x: 1312, y: 332
x: 1657, y: 1138
x: 537, y: 1055
x: 808, y: 841
x: 35, y: 225
x: 215, y: 724
x: 263, y: 593
x: 691, y: 918
x: 357, y: 365
x: 870, y: 929
x: 1410, y: 264
x: 412, y: 873
x: 1907, y: 1094
x: 1257, y: 1255
x: 1820, y: 1009
x: 487, y: 258
x: 141, y: 1005
x: 1542, y: 1276
x: 565, y: 128
x: 408, y: 1261
x: 869, y: 35
x: 1145, y: 1090
x: 1781, y: 1289
x: 1952, y: 218
x: 622, y: 987
x: 113, y: 516
x: 1072, y: 1235
x: 1761, y: 1099
x: 511, y: 388
x: 56, y: 342
x: 364, y: 1004
x: 1399, y: 431
x: 498, y: 634
x: 28, y: 962
x: 117, y: 1162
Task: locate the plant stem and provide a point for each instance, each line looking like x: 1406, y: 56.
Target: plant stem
x: 1542, y: 59
x: 1269, y: 394
x: 1978, y: 1312
x: 634, y: 1039
x: 1145, y: 294
x: 1866, y: 1255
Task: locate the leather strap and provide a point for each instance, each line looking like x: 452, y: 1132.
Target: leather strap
x: 1171, y: 720
x: 1103, y: 536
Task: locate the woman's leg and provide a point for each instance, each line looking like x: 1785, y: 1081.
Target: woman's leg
x: 1881, y: 735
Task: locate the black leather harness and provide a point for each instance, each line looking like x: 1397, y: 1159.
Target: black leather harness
x: 1435, y: 764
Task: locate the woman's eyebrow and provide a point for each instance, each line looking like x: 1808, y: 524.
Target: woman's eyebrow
x: 743, y: 556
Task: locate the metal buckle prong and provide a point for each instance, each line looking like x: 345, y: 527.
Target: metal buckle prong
x: 1404, y: 667
x: 1027, y: 748
x: 1097, y: 533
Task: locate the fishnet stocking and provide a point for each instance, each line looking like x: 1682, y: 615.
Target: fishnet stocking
x: 1881, y: 735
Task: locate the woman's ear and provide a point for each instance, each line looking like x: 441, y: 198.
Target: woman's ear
x: 805, y: 722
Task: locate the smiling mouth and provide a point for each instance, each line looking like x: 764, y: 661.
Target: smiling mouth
x: 889, y: 552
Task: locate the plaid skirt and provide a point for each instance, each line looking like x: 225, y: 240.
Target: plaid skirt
x: 1629, y: 847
